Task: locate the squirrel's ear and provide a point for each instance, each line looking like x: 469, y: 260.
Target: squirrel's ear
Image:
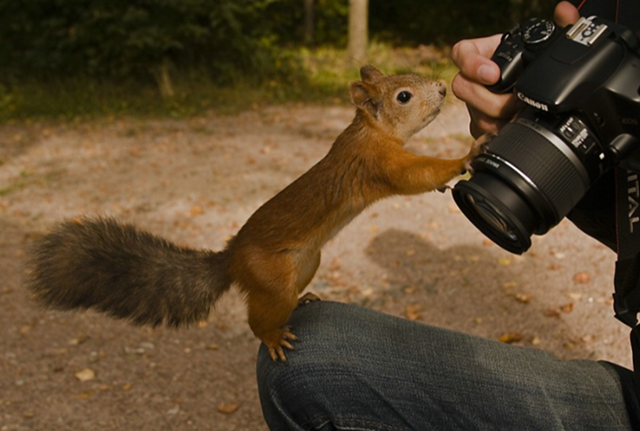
x: 370, y: 73
x: 364, y: 96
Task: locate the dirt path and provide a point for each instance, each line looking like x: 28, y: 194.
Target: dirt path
x: 195, y: 182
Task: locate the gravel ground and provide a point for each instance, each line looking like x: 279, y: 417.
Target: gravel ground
x: 195, y: 181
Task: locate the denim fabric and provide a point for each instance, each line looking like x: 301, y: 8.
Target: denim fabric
x: 357, y: 369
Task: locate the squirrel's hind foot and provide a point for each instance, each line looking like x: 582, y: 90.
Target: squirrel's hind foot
x: 277, y: 340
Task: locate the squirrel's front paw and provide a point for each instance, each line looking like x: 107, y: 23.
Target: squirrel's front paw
x: 478, y: 147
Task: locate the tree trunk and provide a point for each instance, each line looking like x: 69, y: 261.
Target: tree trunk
x: 309, y: 22
x: 358, y: 30
x: 163, y: 79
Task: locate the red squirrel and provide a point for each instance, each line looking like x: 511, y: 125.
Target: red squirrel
x: 128, y: 273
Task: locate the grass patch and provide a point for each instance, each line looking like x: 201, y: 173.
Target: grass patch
x: 323, y: 76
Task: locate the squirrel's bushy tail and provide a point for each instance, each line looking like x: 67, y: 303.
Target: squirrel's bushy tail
x: 127, y: 273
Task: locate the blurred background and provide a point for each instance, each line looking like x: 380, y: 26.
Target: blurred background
x: 183, y: 117
x: 79, y: 58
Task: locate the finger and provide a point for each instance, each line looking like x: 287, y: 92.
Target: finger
x: 478, y: 97
x: 566, y: 14
x: 482, y: 124
x: 473, y: 58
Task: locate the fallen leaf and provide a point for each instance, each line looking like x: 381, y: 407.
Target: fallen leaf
x: 195, y: 211
x: 84, y: 395
x: 567, y: 308
x: 227, y: 409
x: 552, y: 313
x: 582, y: 278
x: 77, y: 341
x: 504, y: 261
x: 86, y: 375
x: 413, y: 312
x: 511, y: 337
x: 367, y: 292
x: 56, y: 351
x: 521, y: 297
x: 575, y: 296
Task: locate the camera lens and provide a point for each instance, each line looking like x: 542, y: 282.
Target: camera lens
x: 527, y: 181
x: 496, y: 209
x: 493, y: 217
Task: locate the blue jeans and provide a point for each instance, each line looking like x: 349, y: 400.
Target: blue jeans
x: 357, y: 369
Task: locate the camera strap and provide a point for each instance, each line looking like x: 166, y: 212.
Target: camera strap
x: 627, y: 276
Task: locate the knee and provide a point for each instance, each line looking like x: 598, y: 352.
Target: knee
x: 318, y: 326
x: 284, y: 387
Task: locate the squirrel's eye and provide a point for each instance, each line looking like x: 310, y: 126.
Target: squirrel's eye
x: 404, y: 97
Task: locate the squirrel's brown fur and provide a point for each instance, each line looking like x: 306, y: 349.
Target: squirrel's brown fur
x: 127, y: 273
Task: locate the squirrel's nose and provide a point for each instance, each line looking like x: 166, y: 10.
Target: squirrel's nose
x: 441, y: 86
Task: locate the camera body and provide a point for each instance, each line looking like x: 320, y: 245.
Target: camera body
x: 581, y: 89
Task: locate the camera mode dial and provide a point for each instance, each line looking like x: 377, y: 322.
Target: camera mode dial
x: 537, y: 33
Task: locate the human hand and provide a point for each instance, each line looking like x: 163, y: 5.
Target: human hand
x: 489, y: 111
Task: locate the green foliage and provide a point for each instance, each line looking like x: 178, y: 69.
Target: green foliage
x: 442, y: 22
x: 121, y: 38
x: 327, y: 73
x: 115, y: 39
x: 77, y: 58
x: 331, y: 21
x: 406, y: 21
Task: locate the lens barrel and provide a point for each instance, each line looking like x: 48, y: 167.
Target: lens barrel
x: 527, y: 181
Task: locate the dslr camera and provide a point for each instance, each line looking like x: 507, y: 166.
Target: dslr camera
x: 580, y: 87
